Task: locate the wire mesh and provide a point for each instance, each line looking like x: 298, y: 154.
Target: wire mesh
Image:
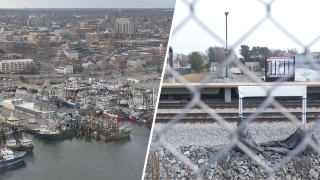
x: 158, y: 134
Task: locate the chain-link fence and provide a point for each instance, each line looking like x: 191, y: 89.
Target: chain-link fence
x: 270, y: 171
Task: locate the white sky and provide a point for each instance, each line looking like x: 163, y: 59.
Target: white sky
x: 87, y: 3
x: 299, y: 17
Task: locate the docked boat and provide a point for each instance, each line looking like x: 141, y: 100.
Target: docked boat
x: 20, y: 145
x: 12, y: 144
x: 134, y: 115
x: 109, y: 114
x: 9, y: 158
x: 25, y: 145
x: 121, y: 133
x: 36, y: 130
x: 54, y: 135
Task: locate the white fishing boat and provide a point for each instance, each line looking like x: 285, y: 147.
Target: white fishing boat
x: 12, y: 144
x: 26, y: 145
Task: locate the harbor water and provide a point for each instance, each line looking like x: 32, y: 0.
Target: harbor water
x: 83, y: 159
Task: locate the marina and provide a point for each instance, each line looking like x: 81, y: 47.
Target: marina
x: 94, y: 113
x: 84, y: 158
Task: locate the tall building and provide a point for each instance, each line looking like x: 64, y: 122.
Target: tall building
x: 125, y: 27
x: 35, y: 22
x: 95, y: 25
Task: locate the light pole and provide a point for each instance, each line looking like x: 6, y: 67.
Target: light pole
x: 226, y: 44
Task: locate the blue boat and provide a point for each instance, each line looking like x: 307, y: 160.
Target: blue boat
x: 9, y: 158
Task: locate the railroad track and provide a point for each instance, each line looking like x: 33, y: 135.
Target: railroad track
x: 236, y: 105
x: 233, y: 117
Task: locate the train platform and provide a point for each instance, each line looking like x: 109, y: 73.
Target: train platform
x: 237, y: 84
x: 179, y: 91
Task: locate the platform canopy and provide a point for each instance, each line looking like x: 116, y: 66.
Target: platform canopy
x: 261, y: 91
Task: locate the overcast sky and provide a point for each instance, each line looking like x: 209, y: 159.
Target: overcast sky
x: 299, y: 17
x: 87, y: 3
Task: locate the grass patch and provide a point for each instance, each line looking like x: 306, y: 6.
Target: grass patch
x: 193, y: 78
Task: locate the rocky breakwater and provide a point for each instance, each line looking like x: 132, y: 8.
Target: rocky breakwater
x: 234, y: 165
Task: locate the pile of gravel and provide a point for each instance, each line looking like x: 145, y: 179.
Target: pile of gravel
x: 234, y: 165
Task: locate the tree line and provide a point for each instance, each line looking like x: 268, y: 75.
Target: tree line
x: 199, y: 61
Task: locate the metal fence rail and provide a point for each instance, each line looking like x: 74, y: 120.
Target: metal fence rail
x: 158, y: 135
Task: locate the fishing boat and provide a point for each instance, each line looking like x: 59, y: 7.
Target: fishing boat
x: 109, y: 114
x: 36, y: 130
x: 121, y: 133
x: 54, y: 135
x: 134, y: 115
x: 55, y: 130
x: 12, y: 144
x: 9, y: 158
x: 25, y: 145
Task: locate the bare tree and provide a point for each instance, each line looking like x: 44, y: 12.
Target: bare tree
x: 220, y: 54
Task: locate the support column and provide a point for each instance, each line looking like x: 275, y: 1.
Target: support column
x: 304, y: 110
x: 240, y: 107
x: 172, y: 80
x: 227, y: 91
x: 227, y: 94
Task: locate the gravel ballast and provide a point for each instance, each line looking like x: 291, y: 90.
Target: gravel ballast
x: 213, y: 134
x: 201, y: 141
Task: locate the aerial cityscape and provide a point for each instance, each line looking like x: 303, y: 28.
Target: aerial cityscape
x: 79, y: 88
x: 161, y: 89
